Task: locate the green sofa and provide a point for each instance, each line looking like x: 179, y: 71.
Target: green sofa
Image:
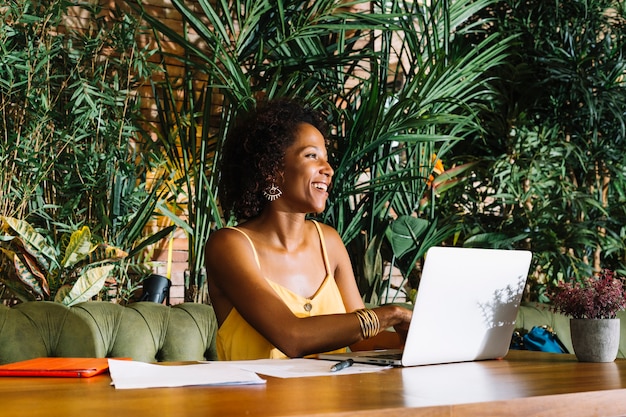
x: 143, y: 331
x: 533, y: 314
x: 151, y: 332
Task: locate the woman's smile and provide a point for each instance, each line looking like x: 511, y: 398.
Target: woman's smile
x: 321, y: 186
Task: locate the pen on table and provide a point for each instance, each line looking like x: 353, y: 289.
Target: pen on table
x: 341, y: 365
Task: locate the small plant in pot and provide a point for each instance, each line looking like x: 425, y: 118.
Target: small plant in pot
x: 592, y: 305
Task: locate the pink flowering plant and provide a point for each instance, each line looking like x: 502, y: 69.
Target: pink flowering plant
x: 596, y: 297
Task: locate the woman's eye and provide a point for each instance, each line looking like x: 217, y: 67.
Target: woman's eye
x: 311, y: 155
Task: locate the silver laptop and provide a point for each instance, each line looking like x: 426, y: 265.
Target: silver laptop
x: 465, y: 308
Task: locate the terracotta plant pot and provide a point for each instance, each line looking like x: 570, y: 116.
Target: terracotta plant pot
x: 595, y: 340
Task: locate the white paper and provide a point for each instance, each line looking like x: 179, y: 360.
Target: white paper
x: 133, y: 374
x: 296, y: 368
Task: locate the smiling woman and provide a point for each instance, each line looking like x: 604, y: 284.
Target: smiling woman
x: 282, y: 285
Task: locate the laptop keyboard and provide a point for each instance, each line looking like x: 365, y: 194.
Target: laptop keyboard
x: 393, y: 356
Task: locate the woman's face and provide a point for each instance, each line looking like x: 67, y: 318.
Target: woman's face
x: 307, y: 174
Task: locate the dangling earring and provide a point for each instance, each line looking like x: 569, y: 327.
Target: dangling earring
x: 272, y: 192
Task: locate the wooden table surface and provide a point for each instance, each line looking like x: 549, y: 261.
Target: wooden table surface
x: 524, y: 383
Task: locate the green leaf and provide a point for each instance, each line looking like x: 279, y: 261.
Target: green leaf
x: 404, y: 234
x: 33, y: 279
x: 17, y: 289
x: 79, y: 247
x: 104, y: 252
x: 62, y: 292
x: 88, y: 284
x: 373, y: 262
x: 33, y: 242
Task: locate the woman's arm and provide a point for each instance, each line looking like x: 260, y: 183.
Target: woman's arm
x: 233, y: 271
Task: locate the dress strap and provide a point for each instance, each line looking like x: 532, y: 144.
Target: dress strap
x: 256, y: 256
x: 323, y: 243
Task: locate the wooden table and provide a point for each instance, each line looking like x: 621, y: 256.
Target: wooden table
x: 524, y: 384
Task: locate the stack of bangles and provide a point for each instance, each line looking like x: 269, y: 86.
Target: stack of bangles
x: 370, y: 325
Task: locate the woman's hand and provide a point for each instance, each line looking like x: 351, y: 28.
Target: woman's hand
x: 389, y: 316
x: 402, y: 330
x: 397, y: 317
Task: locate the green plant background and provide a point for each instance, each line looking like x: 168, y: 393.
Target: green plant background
x: 522, y: 103
x: 70, y: 122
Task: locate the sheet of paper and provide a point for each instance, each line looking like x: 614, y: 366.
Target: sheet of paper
x: 132, y: 374
x: 296, y: 368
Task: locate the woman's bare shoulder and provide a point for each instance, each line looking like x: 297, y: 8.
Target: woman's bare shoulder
x: 229, y: 255
x: 330, y: 233
x: 225, y: 233
x: 226, y: 240
x: 334, y: 244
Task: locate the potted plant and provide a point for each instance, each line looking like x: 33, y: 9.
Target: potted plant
x: 592, y: 305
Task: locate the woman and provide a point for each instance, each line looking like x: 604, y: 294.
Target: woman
x: 282, y: 285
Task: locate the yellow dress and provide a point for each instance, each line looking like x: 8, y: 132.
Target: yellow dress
x: 237, y: 340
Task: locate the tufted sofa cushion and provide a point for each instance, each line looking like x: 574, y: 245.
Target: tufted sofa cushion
x: 143, y: 331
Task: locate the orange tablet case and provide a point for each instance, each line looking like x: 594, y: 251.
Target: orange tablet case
x: 56, y: 367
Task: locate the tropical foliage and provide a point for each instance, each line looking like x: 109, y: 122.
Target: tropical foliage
x: 423, y: 89
x: 37, y: 270
x: 552, y: 174
x: 399, y: 83
x: 465, y: 122
x: 68, y: 117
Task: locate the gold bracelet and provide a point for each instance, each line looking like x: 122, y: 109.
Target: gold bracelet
x: 370, y: 324
x: 373, y: 323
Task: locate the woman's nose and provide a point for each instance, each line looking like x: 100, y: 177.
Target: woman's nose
x: 327, y: 169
